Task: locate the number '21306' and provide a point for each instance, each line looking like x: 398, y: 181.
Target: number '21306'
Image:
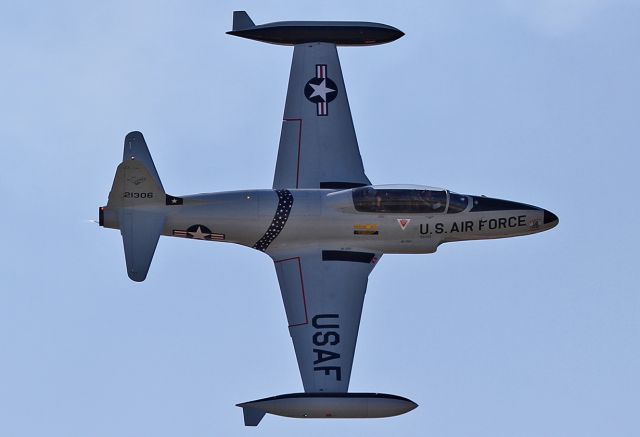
x: 133, y: 195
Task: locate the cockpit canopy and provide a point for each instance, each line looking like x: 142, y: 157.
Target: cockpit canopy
x: 412, y: 199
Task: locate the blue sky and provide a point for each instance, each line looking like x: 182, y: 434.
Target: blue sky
x: 530, y: 101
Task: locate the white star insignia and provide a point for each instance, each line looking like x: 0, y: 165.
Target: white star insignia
x: 198, y: 234
x: 321, y: 90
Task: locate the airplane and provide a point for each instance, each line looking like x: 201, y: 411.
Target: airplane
x: 323, y: 223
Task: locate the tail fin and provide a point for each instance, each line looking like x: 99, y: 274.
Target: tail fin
x: 252, y: 416
x: 135, y: 206
x: 242, y: 21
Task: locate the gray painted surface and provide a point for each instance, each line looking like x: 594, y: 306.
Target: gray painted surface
x: 313, y: 148
x: 323, y: 246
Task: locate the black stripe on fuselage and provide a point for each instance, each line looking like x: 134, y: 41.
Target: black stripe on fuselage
x: 285, y: 202
x: 490, y: 204
x: 343, y: 255
x: 341, y: 185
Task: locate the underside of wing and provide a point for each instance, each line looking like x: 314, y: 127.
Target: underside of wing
x: 323, y: 293
x: 318, y: 145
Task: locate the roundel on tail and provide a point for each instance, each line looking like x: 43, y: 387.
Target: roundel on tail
x: 321, y: 90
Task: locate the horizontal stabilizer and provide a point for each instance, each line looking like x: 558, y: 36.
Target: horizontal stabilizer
x: 140, y: 234
x: 323, y: 405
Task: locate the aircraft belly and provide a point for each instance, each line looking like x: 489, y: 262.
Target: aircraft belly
x: 349, y: 232
x: 236, y: 217
x: 272, y: 220
x: 410, y: 233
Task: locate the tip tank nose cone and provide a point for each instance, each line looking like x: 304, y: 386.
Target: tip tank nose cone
x: 550, y: 218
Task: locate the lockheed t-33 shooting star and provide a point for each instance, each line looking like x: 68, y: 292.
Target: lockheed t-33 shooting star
x: 323, y: 223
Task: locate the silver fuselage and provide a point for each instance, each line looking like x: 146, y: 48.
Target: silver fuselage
x: 329, y: 220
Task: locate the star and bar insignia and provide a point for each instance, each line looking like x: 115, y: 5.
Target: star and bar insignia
x: 321, y: 90
x: 198, y: 232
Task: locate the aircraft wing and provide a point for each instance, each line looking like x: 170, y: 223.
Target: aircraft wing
x: 323, y: 292
x: 318, y: 145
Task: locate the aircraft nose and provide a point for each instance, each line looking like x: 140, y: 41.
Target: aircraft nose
x: 550, y: 218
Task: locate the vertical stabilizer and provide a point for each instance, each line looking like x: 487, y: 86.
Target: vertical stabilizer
x: 242, y: 21
x: 252, y: 416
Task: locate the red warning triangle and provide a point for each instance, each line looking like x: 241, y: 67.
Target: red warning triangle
x: 404, y: 223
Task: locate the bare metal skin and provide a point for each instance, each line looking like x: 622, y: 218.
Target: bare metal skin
x: 327, y: 218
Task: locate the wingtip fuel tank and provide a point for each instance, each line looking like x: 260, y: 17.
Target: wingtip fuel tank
x: 342, y: 33
x: 327, y: 405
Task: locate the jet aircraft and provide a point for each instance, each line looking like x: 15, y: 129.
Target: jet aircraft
x: 323, y: 223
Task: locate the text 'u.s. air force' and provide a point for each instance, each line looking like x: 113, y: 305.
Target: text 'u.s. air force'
x: 471, y: 226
